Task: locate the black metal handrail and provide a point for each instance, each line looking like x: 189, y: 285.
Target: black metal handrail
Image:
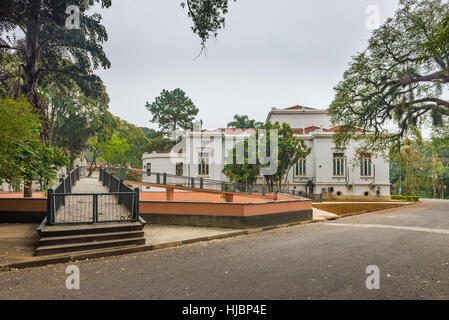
x: 121, y: 190
x: 66, y: 207
x: 211, y: 184
x: 64, y: 186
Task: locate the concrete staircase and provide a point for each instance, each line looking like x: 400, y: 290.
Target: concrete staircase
x: 57, y: 240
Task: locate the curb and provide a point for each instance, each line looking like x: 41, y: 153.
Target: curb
x: 39, y: 262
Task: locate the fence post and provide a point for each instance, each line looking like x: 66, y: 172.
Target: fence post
x: 264, y: 190
x: 136, y: 204
x: 250, y: 189
x: 119, y: 190
x: 201, y: 183
x: 70, y: 183
x: 222, y: 186
x: 77, y: 173
x: 117, y: 173
x: 95, y: 207
x: 192, y: 183
x: 234, y: 186
x: 321, y: 197
x: 158, y: 178
x: 123, y: 173
x: 63, y: 189
x: 164, y: 178
x: 101, y: 177
x: 50, y: 207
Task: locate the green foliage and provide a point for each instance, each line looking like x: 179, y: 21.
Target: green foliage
x: 48, y: 51
x: 133, y: 175
x: 115, y: 151
x: 421, y: 168
x: 243, y: 122
x: 24, y: 157
x: 287, y: 152
x: 136, y: 139
x: 157, y: 141
x: 438, y: 41
x: 73, y: 117
x: 207, y: 17
x: 404, y: 198
x: 128, y: 140
x: 395, y: 80
x: 172, y: 110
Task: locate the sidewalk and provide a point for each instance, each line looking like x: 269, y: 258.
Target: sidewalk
x: 18, y: 240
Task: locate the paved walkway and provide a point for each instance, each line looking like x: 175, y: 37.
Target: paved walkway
x: 18, y: 240
x: 79, y: 208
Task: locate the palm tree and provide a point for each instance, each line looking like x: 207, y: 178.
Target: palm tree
x: 242, y: 122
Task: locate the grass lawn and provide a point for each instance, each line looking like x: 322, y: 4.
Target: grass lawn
x: 347, y: 208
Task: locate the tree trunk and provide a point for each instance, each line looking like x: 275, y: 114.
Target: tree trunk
x: 30, y: 73
x: 28, y: 189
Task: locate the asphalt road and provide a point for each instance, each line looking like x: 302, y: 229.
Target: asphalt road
x: 409, y: 245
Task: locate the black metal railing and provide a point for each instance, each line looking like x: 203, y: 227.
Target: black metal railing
x: 54, y: 198
x: 205, y: 183
x: 122, y: 192
x: 120, y: 204
x: 85, y: 208
x: 197, y: 182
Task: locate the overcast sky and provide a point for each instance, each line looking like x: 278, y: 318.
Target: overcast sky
x: 272, y: 53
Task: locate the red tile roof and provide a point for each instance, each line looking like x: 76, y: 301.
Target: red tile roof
x: 233, y: 130
x: 299, y: 107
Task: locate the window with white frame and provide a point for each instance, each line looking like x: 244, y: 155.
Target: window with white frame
x: 365, y: 166
x: 203, y: 164
x: 300, y: 170
x: 339, y: 165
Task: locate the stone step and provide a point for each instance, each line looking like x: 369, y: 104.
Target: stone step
x: 95, y: 245
x: 51, y: 241
x: 72, y: 230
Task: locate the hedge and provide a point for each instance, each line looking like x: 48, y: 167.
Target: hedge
x: 405, y: 198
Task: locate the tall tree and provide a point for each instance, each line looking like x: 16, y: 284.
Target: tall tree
x: 288, y: 150
x: 243, y: 122
x: 73, y: 117
x: 49, y: 49
x: 396, y: 79
x: 172, y: 110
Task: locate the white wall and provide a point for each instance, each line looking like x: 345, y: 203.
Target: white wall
x: 299, y: 119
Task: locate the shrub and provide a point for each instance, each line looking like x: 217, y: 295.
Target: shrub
x: 404, y: 198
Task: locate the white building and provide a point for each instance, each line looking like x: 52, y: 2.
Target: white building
x: 327, y: 170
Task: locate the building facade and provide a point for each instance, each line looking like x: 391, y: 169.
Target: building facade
x: 334, y: 173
